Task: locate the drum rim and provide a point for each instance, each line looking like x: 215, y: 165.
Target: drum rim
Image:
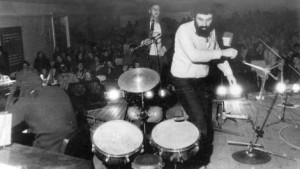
x: 152, y: 142
x: 119, y: 155
x: 174, y: 150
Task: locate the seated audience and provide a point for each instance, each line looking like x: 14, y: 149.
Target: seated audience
x: 41, y: 62
x: 65, y: 78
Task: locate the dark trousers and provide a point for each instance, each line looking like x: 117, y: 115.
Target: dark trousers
x: 196, y: 103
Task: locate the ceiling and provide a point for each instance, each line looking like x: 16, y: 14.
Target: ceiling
x: 137, y: 6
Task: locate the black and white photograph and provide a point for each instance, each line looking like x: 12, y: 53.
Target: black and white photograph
x: 149, y: 84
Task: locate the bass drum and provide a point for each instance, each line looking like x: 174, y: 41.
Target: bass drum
x: 117, y: 142
x: 173, y: 142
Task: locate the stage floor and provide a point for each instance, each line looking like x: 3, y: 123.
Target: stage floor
x: 281, y: 138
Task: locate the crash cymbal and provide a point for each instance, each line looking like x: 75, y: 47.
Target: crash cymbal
x: 253, y: 157
x: 138, y: 80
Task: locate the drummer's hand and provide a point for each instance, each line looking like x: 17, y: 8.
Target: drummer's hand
x: 231, y: 79
x: 98, y: 164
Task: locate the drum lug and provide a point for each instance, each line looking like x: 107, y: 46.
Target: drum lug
x: 180, y: 157
x: 142, y: 149
x: 160, y: 152
x: 107, y: 158
x: 93, y: 149
x: 196, y: 148
x: 127, y: 159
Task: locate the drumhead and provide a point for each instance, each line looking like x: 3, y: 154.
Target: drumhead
x: 174, y: 135
x: 117, y: 137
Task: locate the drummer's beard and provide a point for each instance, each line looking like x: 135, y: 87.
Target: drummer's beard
x: 203, y: 31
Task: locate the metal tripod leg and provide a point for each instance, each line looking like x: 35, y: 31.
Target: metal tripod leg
x: 282, y: 118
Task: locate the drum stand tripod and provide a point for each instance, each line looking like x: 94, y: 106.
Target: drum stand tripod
x: 254, y: 153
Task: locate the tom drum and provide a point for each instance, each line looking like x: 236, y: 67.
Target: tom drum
x: 117, y: 142
x: 175, y: 141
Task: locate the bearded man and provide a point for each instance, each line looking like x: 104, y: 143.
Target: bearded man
x: 195, y: 46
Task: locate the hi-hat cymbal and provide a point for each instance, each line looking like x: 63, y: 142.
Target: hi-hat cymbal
x: 138, y: 80
x: 253, y: 157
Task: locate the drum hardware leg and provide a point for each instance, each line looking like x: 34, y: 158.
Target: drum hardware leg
x: 254, y: 155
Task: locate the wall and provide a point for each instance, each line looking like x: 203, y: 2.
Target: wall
x: 101, y: 26
x: 35, y: 21
x: 36, y: 33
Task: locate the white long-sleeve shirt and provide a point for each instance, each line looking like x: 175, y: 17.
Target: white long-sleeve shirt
x: 155, y: 47
x: 192, y: 52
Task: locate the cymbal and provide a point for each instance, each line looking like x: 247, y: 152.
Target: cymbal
x: 138, y: 80
x: 253, y: 157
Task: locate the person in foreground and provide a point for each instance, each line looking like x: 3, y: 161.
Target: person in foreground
x: 195, y: 46
x: 47, y: 111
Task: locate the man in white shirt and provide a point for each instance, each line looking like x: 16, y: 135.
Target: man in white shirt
x: 195, y: 46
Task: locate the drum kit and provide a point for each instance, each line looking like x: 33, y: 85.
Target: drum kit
x: 120, y: 142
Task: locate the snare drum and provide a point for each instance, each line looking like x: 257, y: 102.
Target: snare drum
x: 175, y: 141
x: 147, y: 161
x: 117, y: 142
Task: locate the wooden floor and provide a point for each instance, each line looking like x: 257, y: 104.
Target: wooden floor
x: 257, y: 111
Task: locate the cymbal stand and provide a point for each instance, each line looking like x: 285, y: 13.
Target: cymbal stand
x: 252, y: 155
x: 143, y: 116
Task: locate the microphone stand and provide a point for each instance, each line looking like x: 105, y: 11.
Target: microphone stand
x: 254, y: 155
x: 276, y: 54
x: 284, y: 103
x: 266, y: 73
